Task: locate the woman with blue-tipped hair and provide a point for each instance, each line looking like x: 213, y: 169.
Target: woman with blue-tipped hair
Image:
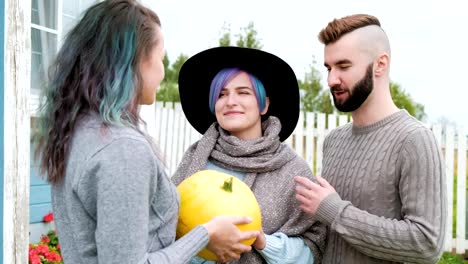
x: 245, y: 102
x: 113, y: 202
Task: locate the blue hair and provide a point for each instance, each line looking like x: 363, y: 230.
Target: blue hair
x: 95, y: 71
x: 226, y: 75
x: 121, y: 89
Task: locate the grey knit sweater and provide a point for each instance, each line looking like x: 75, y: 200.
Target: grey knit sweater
x: 391, y: 201
x: 116, y: 204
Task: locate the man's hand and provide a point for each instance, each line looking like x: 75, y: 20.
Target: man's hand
x: 311, y: 194
x: 260, y: 242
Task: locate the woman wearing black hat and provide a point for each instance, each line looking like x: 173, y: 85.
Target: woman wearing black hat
x: 245, y: 102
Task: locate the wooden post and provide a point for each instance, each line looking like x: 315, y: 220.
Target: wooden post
x: 16, y: 130
x: 2, y: 113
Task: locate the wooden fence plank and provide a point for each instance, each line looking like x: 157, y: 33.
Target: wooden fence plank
x: 170, y: 139
x: 162, y: 137
x: 331, y: 122
x: 180, y: 134
x: 321, y: 132
x: 461, y: 192
x: 158, y: 122
x: 148, y: 113
x: 310, y: 141
x: 438, y: 133
x: 449, y: 173
x: 187, y: 133
x: 299, y: 136
x: 175, y: 139
x: 343, y: 119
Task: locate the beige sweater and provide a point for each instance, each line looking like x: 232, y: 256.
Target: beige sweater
x: 391, y: 202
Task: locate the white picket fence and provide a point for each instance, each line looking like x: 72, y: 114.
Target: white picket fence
x: 174, y: 135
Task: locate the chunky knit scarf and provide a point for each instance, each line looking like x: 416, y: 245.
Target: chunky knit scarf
x: 251, y: 156
x: 270, y: 167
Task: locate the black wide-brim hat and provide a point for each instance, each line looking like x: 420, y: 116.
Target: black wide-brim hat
x: 277, y: 77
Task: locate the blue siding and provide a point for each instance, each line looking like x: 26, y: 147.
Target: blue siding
x: 39, y: 198
x: 41, y: 194
x: 2, y: 136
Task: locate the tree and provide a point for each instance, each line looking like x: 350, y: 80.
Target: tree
x: 169, y: 90
x: 225, y: 39
x: 248, y: 38
x: 167, y: 68
x: 324, y: 102
x: 313, y: 97
x: 177, y: 65
x: 404, y: 101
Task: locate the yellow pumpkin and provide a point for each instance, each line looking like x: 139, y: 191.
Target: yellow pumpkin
x: 210, y: 193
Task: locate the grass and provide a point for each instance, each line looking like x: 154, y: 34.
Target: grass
x: 448, y: 258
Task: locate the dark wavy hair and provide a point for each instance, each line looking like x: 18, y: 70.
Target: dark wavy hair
x: 338, y: 27
x: 95, y: 71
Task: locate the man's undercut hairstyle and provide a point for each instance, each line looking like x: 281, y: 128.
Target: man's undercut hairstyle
x: 338, y: 27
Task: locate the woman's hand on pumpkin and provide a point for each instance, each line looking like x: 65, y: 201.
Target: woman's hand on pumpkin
x: 260, y: 242
x: 225, y: 237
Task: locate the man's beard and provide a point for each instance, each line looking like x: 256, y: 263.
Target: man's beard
x: 357, y: 95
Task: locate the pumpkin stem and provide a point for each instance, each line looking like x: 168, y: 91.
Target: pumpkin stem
x: 227, y: 186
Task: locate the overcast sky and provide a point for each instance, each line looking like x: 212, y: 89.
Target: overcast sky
x: 429, y: 39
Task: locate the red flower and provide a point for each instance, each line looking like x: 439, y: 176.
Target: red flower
x: 34, y: 259
x: 45, y: 239
x: 52, y: 256
x: 32, y: 252
x: 48, y: 217
x: 42, y: 249
x: 47, y: 250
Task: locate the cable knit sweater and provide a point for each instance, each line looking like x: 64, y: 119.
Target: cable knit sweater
x: 391, y: 201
